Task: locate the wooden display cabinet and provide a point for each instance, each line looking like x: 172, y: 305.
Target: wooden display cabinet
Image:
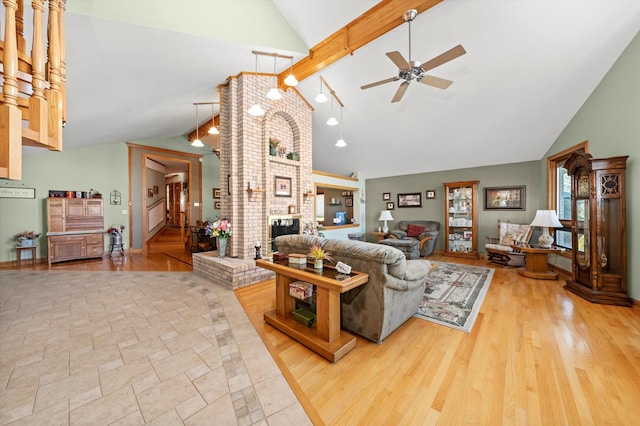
x: 461, y: 223
x: 75, y: 228
x: 598, y: 229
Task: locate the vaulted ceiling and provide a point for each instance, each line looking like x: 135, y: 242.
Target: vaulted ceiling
x: 135, y: 68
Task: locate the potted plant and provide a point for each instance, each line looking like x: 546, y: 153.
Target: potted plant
x: 293, y: 155
x: 273, y: 146
x: 26, y: 238
x: 318, y: 254
x: 281, y: 150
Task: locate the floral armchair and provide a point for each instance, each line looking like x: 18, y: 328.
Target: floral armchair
x: 424, y: 231
x: 499, y: 248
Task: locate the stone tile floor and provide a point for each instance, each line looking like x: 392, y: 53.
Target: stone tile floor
x: 129, y: 348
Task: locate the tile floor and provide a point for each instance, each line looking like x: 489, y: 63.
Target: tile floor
x: 130, y: 348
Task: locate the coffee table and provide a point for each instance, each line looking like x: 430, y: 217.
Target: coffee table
x: 536, y: 261
x: 325, y: 338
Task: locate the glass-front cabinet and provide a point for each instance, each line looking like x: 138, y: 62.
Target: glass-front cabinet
x: 598, y: 229
x: 461, y: 222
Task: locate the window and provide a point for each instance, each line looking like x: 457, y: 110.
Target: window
x: 559, y: 192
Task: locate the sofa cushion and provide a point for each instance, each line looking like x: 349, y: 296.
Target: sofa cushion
x: 512, y: 233
x: 414, y: 230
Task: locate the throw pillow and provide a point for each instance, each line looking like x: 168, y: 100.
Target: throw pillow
x: 414, y: 230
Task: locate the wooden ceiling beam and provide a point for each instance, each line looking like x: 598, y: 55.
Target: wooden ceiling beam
x: 378, y: 20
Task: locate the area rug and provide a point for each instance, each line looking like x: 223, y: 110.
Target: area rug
x: 454, y: 294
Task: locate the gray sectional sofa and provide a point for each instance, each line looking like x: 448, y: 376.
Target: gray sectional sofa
x: 393, y: 293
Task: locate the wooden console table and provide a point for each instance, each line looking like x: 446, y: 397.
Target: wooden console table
x: 536, y: 261
x: 325, y: 338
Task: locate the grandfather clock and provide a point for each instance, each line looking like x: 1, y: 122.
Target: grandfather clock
x: 598, y: 229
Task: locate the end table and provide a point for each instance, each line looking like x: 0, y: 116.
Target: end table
x: 536, y: 261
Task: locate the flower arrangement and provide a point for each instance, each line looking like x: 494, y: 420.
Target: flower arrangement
x: 26, y: 235
x: 282, y: 150
x: 116, y: 229
x: 220, y: 228
x: 311, y: 228
x: 318, y: 253
x: 273, y: 142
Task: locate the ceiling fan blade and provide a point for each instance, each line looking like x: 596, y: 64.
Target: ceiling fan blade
x: 378, y: 83
x: 400, y: 92
x: 438, y: 82
x: 399, y: 60
x: 447, y: 56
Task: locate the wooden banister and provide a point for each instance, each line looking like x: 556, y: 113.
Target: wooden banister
x: 33, y: 88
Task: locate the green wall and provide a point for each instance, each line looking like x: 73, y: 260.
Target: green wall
x: 527, y: 173
x: 610, y: 121
x: 103, y: 168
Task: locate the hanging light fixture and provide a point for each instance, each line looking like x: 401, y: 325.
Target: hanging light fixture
x: 213, y: 130
x: 291, y: 80
x: 197, y: 143
x: 274, y: 94
x: 341, y: 143
x: 321, y: 98
x: 332, y: 120
x: 256, y: 110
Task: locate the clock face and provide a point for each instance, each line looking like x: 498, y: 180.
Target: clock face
x: 583, y: 186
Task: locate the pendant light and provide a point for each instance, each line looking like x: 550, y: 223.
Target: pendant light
x: 274, y: 94
x: 332, y: 120
x: 256, y: 110
x: 213, y: 130
x: 197, y: 143
x: 291, y: 80
x: 341, y: 143
x: 321, y: 98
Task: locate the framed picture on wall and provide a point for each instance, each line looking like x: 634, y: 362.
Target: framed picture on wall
x: 386, y: 196
x: 348, y: 202
x: 282, y: 186
x: 149, y: 192
x: 430, y: 194
x: 505, y: 198
x: 390, y: 205
x: 216, y: 193
x: 155, y: 189
x: 410, y: 200
x: 217, y: 205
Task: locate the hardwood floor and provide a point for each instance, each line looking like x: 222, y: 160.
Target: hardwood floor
x: 537, y: 354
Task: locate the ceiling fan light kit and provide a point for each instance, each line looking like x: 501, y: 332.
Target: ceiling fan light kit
x: 414, y: 70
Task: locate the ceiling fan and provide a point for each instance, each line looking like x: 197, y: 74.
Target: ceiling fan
x: 414, y: 70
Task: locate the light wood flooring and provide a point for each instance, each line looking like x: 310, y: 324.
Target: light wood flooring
x: 537, y: 355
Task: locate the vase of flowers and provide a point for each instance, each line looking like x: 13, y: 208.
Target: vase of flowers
x: 273, y: 146
x: 116, y: 234
x: 222, y: 230
x: 318, y: 255
x: 26, y: 238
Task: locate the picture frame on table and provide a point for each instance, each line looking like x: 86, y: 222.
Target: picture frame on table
x: 505, y: 198
x: 282, y: 186
x: 430, y: 194
x: 413, y: 199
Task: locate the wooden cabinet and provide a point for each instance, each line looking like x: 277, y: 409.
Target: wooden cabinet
x: 598, y: 229
x: 461, y: 223
x: 75, y: 228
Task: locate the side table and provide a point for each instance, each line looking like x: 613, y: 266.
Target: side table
x: 32, y: 249
x: 536, y: 261
x: 380, y: 235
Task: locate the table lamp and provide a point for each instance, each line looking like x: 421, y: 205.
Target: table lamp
x: 546, y: 219
x: 385, y: 215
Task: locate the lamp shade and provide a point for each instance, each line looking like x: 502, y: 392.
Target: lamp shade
x: 385, y: 215
x: 546, y: 219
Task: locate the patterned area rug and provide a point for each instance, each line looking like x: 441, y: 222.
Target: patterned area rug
x: 454, y: 294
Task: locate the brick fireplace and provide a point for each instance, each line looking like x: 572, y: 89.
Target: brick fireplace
x: 248, y: 173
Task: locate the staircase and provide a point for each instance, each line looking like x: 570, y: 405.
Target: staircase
x: 168, y: 239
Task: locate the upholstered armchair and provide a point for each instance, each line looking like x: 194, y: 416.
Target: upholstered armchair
x: 424, y: 231
x: 499, y: 248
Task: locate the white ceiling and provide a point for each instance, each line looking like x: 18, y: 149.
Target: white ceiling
x: 529, y: 67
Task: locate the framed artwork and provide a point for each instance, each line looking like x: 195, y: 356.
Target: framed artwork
x: 386, y: 196
x: 282, y: 186
x: 217, y: 205
x: 413, y: 199
x: 505, y: 198
x: 149, y: 192
x: 390, y: 205
x: 155, y: 189
x: 430, y: 194
x: 7, y: 192
x: 216, y: 193
x: 348, y: 202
